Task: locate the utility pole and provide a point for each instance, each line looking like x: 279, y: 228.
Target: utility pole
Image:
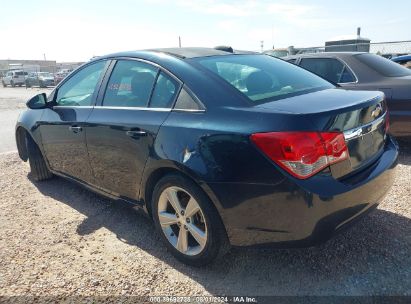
x: 179, y: 41
x: 44, y: 56
x: 262, y: 46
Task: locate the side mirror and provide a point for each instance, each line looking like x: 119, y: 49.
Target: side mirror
x: 37, y: 102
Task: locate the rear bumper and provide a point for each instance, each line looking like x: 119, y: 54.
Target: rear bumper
x: 303, y: 212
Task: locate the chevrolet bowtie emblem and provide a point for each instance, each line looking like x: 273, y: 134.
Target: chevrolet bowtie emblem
x: 377, y: 111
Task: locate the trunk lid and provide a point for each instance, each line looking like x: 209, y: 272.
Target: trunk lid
x: 360, y: 115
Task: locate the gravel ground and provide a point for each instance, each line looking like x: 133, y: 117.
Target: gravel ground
x: 59, y: 239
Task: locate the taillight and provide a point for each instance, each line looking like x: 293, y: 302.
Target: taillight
x: 302, y: 154
x: 15, y: 76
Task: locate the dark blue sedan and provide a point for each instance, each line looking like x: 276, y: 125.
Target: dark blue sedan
x: 220, y: 148
x: 404, y: 60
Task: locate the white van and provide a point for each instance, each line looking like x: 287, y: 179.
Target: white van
x: 14, y: 78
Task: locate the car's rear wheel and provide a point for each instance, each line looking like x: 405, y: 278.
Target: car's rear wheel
x: 187, y: 221
x: 4, y: 84
x: 38, y: 165
x: 12, y: 83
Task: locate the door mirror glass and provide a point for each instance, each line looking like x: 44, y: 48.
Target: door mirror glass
x: 37, y: 102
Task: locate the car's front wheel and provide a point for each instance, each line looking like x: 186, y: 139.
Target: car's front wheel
x: 187, y: 221
x: 4, y: 84
x: 38, y: 165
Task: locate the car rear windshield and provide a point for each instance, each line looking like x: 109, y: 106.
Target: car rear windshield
x: 383, y: 66
x: 263, y: 78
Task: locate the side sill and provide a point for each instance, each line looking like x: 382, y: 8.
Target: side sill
x: 134, y: 203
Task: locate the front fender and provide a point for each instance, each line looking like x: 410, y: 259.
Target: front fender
x: 28, y: 122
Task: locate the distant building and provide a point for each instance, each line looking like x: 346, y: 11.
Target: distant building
x: 68, y: 65
x: 348, y: 43
x: 28, y: 65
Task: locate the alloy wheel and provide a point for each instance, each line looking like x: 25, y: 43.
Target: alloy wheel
x: 182, y: 221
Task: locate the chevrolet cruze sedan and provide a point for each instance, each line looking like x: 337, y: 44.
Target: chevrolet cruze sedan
x: 219, y: 148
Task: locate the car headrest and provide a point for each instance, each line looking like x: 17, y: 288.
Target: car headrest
x: 259, y: 82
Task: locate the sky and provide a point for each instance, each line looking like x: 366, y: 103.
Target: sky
x: 76, y: 30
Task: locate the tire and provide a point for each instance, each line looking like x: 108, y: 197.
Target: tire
x: 4, y: 84
x: 204, y: 223
x: 12, y: 84
x: 38, y: 165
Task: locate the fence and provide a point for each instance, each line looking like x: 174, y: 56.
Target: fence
x: 386, y: 49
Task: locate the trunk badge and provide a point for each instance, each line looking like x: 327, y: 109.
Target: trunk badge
x: 377, y: 111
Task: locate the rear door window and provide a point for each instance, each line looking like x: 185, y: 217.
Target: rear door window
x: 130, y: 84
x: 329, y: 68
x: 165, y: 91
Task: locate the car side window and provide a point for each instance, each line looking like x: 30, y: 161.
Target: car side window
x: 186, y: 102
x: 165, y: 91
x: 328, y: 68
x: 130, y: 84
x: 80, y: 88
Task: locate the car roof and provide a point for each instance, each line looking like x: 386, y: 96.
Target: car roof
x: 400, y: 58
x: 324, y: 54
x: 182, y: 53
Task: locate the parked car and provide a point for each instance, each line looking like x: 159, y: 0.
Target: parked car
x: 59, y: 77
x: 364, y: 71
x: 403, y: 60
x: 41, y: 79
x: 219, y: 148
x: 13, y: 78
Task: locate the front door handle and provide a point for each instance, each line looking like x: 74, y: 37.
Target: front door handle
x: 75, y: 129
x: 135, y: 134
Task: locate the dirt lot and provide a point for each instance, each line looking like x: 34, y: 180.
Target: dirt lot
x: 59, y: 239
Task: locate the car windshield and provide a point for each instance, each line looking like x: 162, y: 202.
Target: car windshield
x: 263, y: 78
x: 383, y: 66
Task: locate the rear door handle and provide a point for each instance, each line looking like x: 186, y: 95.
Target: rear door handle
x: 75, y: 129
x: 135, y: 134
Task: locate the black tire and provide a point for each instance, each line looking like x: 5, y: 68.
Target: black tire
x: 217, y: 243
x: 4, y: 84
x: 38, y: 165
x: 12, y: 84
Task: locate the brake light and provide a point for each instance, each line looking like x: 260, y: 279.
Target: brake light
x: 302, y: 154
